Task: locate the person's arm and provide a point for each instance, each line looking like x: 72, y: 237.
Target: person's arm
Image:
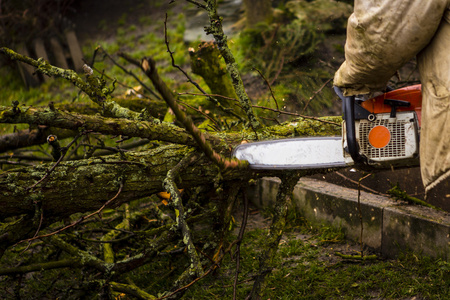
x: 382, y: 35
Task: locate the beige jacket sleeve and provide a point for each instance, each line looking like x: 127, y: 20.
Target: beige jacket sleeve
x: 382, y: 35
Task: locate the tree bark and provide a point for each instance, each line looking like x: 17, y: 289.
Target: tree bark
x: 85, y: 185
x: 206, y: 62
x: 258, y: 11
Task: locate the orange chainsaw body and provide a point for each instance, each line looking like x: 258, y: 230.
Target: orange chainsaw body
x: 387, y: 132
x: 412, y: 94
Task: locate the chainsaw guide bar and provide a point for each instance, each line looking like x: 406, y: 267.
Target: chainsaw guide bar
x: 294, y: 153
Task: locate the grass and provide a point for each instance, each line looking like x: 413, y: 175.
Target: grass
x: 307, y: 268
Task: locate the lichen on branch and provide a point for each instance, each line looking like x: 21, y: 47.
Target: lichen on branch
x: 94, y: 86
x: 216, y: 30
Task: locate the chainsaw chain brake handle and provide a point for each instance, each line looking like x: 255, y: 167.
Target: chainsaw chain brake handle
x: 394, y: 103
x: 348, y: 107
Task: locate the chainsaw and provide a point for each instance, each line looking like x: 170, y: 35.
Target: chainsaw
x: 380, y: 132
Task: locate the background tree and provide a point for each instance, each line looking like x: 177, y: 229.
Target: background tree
x: 257, y: 12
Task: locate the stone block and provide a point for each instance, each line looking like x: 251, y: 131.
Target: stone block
x: 418, y: 229
x: 389, y: 226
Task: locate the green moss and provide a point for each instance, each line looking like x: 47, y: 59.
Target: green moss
x: 308, y: 270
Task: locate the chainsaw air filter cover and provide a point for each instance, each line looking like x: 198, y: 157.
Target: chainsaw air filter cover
x: 387, y: 139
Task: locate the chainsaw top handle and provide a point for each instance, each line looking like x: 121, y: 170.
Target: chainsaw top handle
x: 348, y: 107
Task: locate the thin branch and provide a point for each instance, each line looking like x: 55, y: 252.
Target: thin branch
x: 41, y: 266
x: 360, y: 214
x: 197, y: 4
x: 166, y: 41
x: 130, y: 289
x: 79, y: 220
x: 297, y: 115
x: 360, y: 184
x: 268, y: 85
x: 315, y: 94
x: 147, y: 88
x: 210, y: 97
x: 238, y: 244
x: 271, y: 109
x: 169, y: 184
x: 201, y: 112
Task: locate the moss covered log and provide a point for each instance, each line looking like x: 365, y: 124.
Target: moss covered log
x: 85, y: 185
x: 61, y: 119
x: 60, y: 195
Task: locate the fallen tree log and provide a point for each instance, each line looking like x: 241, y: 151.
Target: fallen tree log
x: 60, y: 195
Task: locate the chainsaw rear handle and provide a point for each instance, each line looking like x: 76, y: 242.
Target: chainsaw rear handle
x: 348, y: 108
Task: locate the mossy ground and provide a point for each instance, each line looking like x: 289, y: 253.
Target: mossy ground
x: 308, y: 268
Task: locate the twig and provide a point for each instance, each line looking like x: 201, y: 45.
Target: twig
x: 360, y: 184
x: 118, y: 82
x: 271, y: 119
x: 199, y: 111
x: 210, y: 97
x: 166, y: 41
x: 130, y: 289
x: 239, y: 240
x: 268, y: 108
x: 270, y: 88
x: 360, y: 213
x: 396, y: 192
x: 70, y: 262
x: 195, y: 268
x: 129, y: 73
x: 280, y: 68
x: 297, y: 115
x: 212, y: 268
x: 197, y: 4
x: 41, y: 219
x: 315, y: 94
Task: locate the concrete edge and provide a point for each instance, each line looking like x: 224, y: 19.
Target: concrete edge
x: 389, y: 226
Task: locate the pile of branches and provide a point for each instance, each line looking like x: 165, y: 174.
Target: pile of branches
x: 162, y: 211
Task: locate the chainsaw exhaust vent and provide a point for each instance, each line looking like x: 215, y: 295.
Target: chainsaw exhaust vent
x: 397, y: 137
